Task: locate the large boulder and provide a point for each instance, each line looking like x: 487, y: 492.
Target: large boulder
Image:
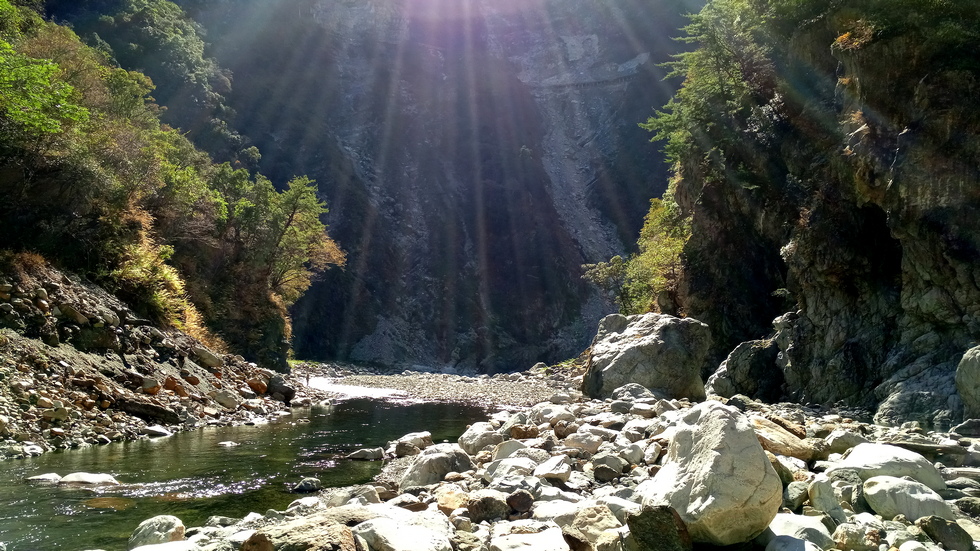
x: 660, y: 352
x: 968, y: 382
x: 890, y: 496
x: 871, y: 460
x: 434, y: 463
x: 159, y: 529
x: 717, y: 477
x: 751, y: 370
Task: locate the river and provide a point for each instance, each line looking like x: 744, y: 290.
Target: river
x: 193, y: 476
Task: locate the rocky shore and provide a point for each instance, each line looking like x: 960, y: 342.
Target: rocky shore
x: 635, y: 472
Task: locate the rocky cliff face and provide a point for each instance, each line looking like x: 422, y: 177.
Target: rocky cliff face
x: 866, y: 230
x: 473, y: 154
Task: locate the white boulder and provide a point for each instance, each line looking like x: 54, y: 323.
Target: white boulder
x: 717, y: 477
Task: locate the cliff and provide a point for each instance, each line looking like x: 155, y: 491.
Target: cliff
x: 473, y: 154
x: 847, y: 205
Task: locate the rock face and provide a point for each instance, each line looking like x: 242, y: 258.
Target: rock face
x: 717, y: 477
x: 457, y: 220
x: 660, y: 352
x: 868, y: 259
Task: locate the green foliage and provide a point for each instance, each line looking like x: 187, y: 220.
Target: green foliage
x: 32, y: 102
x: 648, y: 280
x: 97, y: 184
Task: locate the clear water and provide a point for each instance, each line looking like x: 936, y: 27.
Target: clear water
x: 191, y: 476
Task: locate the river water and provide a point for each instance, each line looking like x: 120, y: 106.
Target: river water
x: 192, y: 475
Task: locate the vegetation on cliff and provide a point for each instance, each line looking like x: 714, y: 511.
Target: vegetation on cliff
x: 96, y: 184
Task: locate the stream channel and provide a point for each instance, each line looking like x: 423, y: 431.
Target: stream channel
x: 192, y: 476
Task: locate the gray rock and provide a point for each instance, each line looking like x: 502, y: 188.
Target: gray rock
x: 662, y: 353
x: 386, y: 534
x: 589, y: 524
x: 862, y: 533
x: 159, y: 529
x: 795, y: 494
x: 659, y: 527
x: 487, y: 505
x: 749, y: 369
x: 968, y: 382
x: 557, y: 468
x: 307, y: 485
x: 870, y: 460
x: 479, y: 436
x: 890, y: 496
x: 434, y: 463
x: 227, y: 398
x: 548, y: 539
x: 725, y: 493
x: 631, y: 392
x: 367, y: 454
x: 946, y: 532
x: 803, y: 527
x: 208, y: 358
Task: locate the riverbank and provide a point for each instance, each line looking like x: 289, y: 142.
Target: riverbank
x: 634, y: 473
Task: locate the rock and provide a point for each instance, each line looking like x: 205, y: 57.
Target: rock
x: 307, y: 485
x: 789, y: 543
x: 589, y: 523
x: 780, y: 441
x: 969, y: 428
x: 523, y: 432
x: 156, y: 431
x: 870, y: 460
x: 841, y: 440
x: 257, y: 385
x: 631, y: 392
x: 151, y: 386
x: 386, y: 534
x: 749, y: 369
x: 280, y: 390
x: 860, y: 534
x: 169, y: 546
x: 507, y: 448
x: 548, y: 539
x: 520, y: 501
x: 159, y: 529
x: 968, y: 382
x: 512, y: 466
x: 547, y: 412
x: 206, y: 357
x: 659, y: 528
x: 326, y: 529
x: 420, y: 440
x: 823, y: 498
x: 367, y: 454
x: 479, y: 436
x: 47, y: 478
x: 659, y: 352
x: 487, y: 505
x: 140, y: 407
x: 802, y: 527
x: 89, y: 479
x: 227, y: 399
x: 946, y: 532
x: 726, y: 492
x: 795, y: 494
x: 583, y: 441
x: 434, y: 463
x: 556, y: 468
x: 969, y: 505
x: 890, y: 496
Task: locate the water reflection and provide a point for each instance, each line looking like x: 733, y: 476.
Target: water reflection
x: 198, y: 474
